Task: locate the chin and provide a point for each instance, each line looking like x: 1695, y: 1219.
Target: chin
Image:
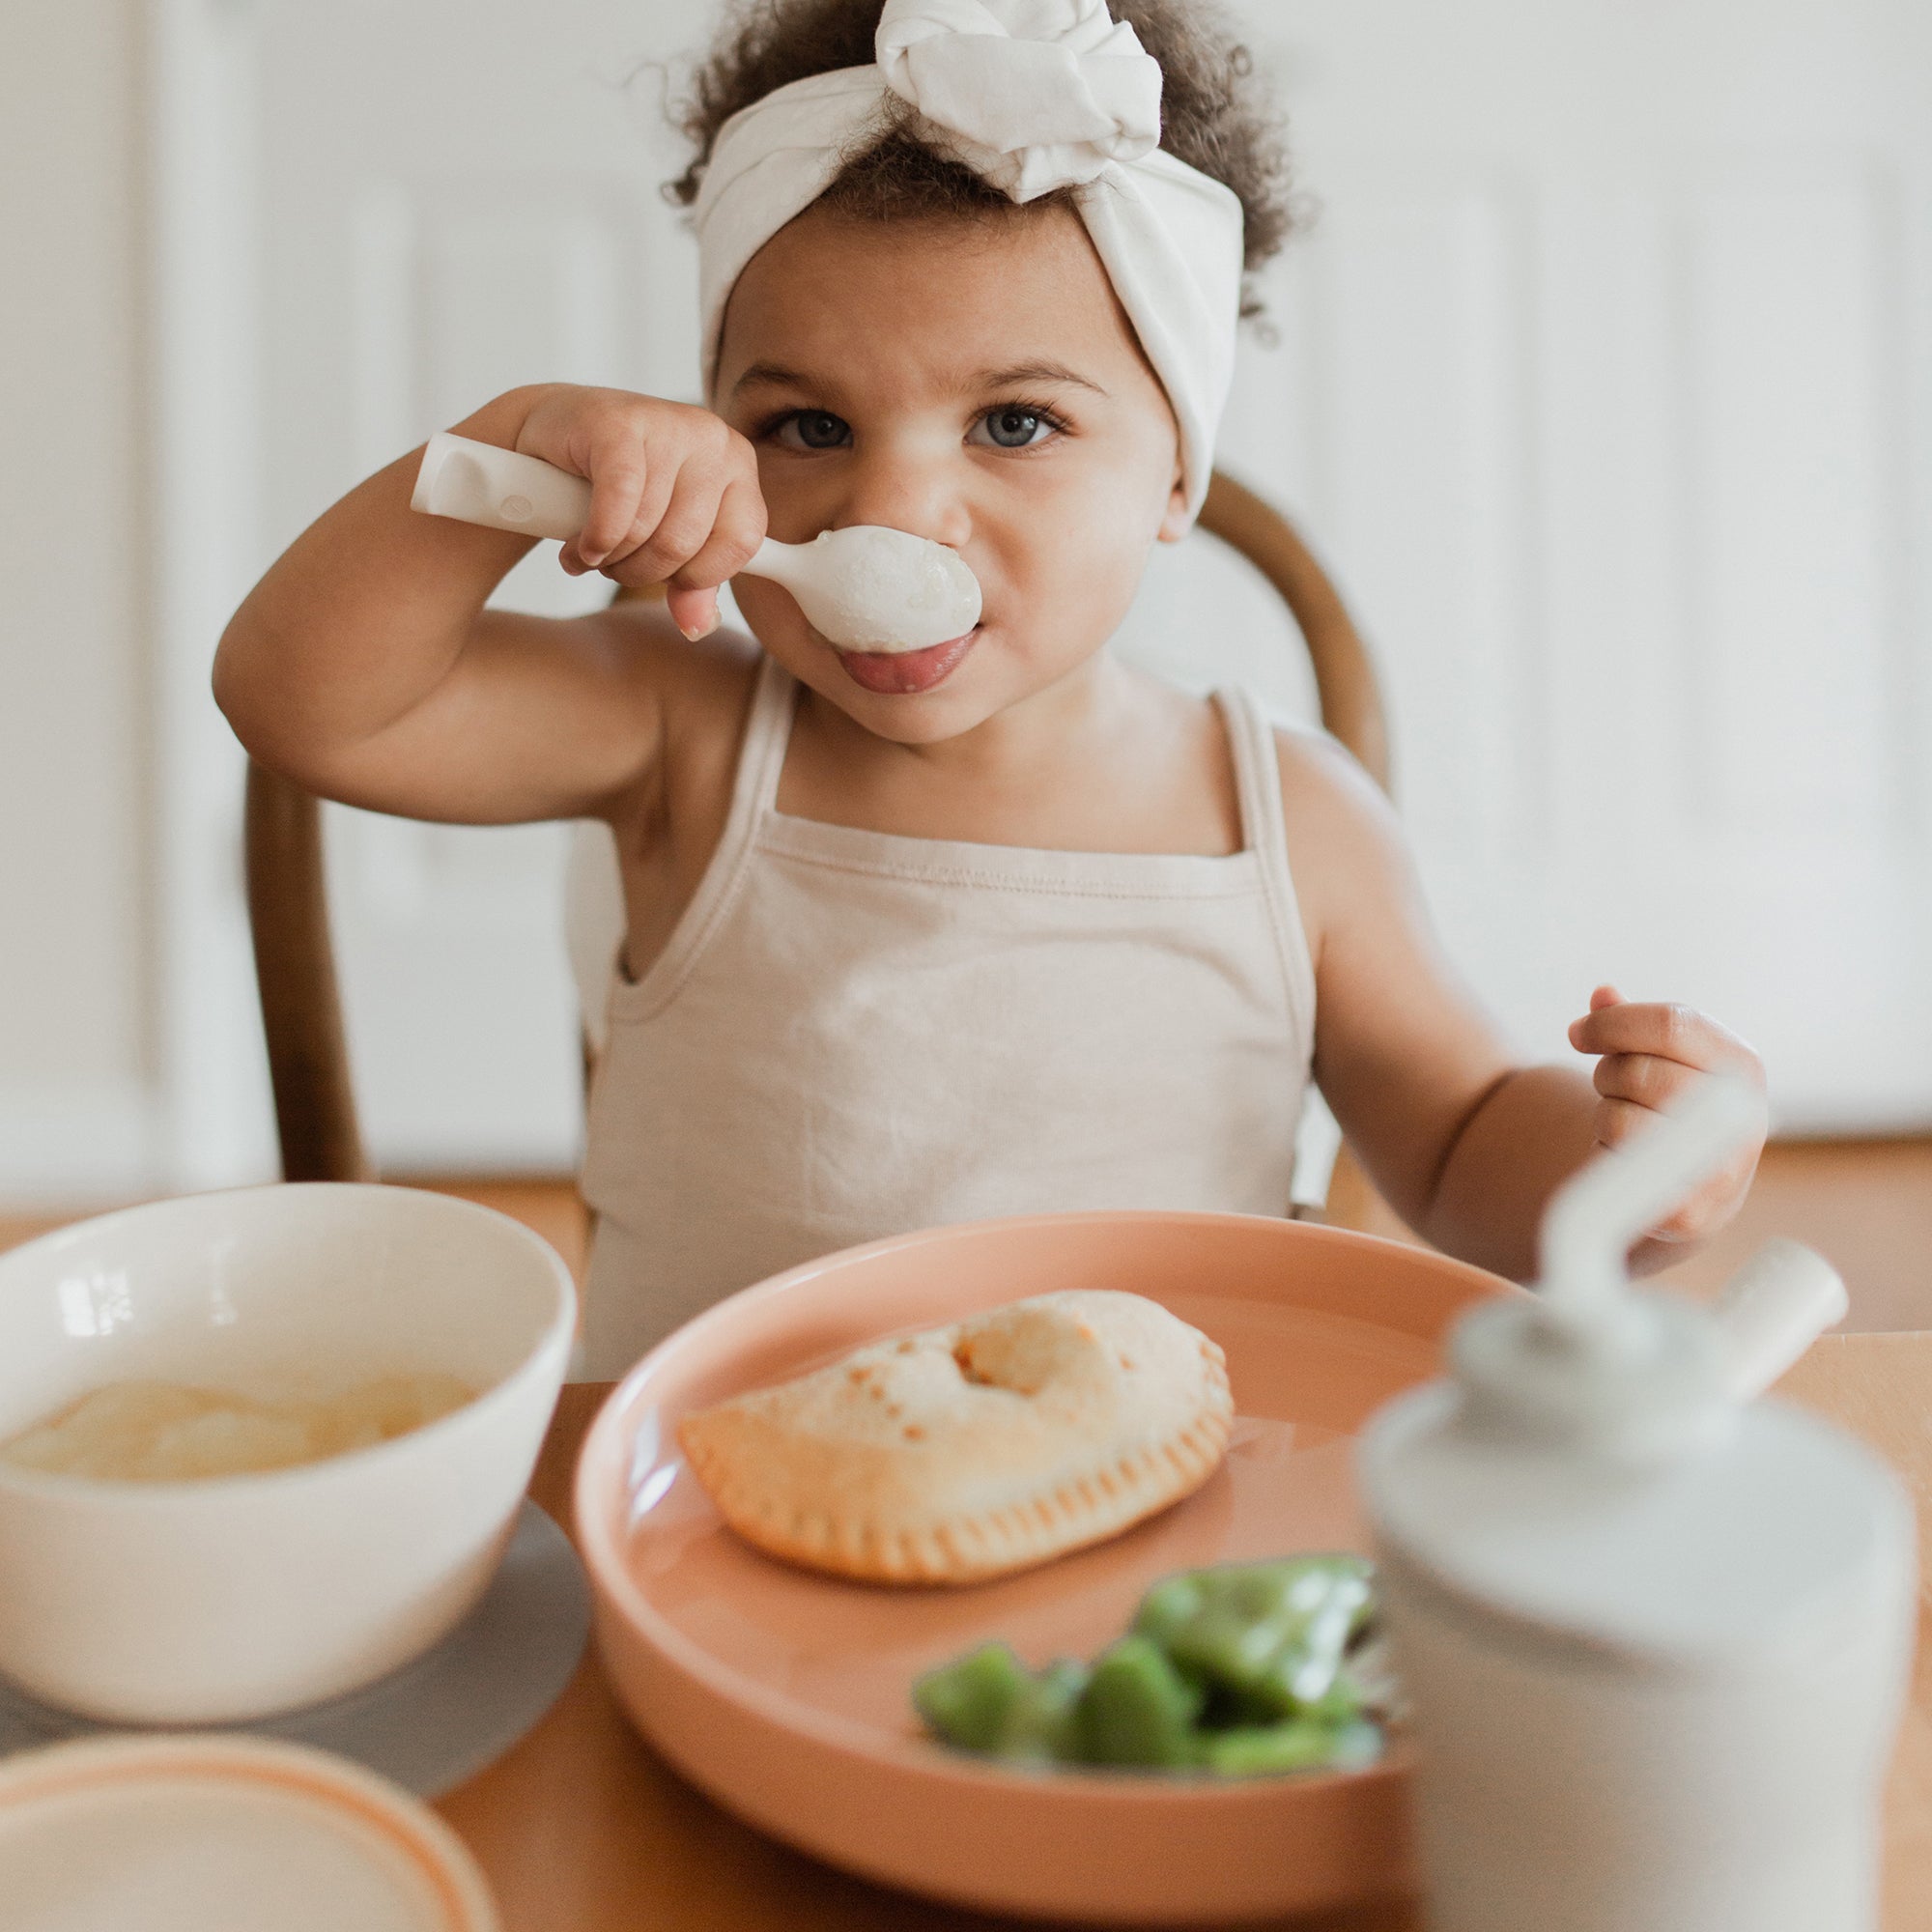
x: 994, y: 675
x: 928, y: 718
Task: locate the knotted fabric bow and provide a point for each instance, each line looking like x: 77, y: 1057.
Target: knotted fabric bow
x: 1032, y: 95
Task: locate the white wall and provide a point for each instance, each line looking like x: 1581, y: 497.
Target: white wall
x: 76, y: 1039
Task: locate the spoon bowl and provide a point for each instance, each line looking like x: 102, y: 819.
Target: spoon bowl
x: 869, y: 587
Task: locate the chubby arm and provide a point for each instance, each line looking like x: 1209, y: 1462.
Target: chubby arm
x: 366, y: 667
x: 1465, y: 1143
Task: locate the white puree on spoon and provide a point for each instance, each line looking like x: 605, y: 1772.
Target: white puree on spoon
x: 869, y: 587
x: 149, y: 1432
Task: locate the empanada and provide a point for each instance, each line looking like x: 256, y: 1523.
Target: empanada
x: 965, y: 1452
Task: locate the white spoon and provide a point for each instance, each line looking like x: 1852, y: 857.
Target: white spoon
x: 864, y: 588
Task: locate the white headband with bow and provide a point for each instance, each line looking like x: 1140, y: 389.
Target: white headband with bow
x: 1032, y: 95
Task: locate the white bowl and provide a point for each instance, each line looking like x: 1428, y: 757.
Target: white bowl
x: 230, y: 1598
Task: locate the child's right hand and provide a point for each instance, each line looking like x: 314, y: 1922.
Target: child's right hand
x: 675, y: 496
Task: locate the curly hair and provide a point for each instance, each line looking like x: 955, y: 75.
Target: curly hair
x: 1216, y: 114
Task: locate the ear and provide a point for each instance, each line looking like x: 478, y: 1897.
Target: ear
x: 1175, y: 520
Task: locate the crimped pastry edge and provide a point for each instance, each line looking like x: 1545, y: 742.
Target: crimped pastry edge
x: 1023, y: 1534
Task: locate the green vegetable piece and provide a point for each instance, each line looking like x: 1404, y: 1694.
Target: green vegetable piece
x: 1169, y: 1606
x: 1266, y: 1751
x: 1297, y: 1744
x: 1341, y: 1703
x: 1138, y: 1709
x: 1272, y: 1635
x: 1041, y: 1724
x: 1306, y: 1674
x: 968, y: 1703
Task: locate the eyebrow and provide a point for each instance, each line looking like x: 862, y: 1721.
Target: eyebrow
x: 1034, y: 372
x: 770, y: 376
x: 775, y: 376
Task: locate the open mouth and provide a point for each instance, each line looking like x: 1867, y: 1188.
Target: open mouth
x: 904, y: 673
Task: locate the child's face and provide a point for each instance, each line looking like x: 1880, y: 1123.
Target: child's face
x: 974, y: 382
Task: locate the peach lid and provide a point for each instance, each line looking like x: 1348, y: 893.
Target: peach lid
x: 193, y: 1834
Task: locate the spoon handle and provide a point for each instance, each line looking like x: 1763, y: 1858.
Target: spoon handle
x: 500, y: 489
x: 505, y: 490
x: 776, y: 560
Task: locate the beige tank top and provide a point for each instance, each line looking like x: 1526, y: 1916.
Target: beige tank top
x: 855, y: 1034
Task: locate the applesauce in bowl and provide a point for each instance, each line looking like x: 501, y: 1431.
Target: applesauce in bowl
x: 169, y: 1433
x: 221, y: 1597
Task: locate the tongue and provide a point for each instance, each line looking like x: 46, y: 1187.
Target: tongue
x: 901, y: 673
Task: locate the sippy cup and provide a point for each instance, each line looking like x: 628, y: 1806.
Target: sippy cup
x: 1653, y: 1634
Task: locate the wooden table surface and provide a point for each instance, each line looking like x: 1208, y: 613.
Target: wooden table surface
x: 583, y: 1829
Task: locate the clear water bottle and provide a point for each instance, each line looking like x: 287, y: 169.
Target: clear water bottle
x: 1655, y: 1635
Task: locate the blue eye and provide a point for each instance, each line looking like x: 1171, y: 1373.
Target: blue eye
x: 1011, y: 426
x: 814, y: 429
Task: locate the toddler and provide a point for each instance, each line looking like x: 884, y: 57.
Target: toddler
x: 997, y: 926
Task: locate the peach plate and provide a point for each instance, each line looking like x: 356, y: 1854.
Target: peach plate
x: 783, y: 1692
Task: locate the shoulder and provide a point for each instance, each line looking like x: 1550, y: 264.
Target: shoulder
x: 1319, y: 771
x: 1325, y: 792
x: 691, y: 685
x: 655, y: 652
x: 699, y: 694
x: 1345, y: 843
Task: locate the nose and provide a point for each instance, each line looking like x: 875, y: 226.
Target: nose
x: 908, y: 488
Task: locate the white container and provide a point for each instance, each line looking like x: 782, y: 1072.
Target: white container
x: 1655, y: 1643
x: 231, y: 1598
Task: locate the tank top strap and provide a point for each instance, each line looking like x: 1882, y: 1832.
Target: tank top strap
x: 761, y: 756
x: 755, y: 787
x: 1265, y: 834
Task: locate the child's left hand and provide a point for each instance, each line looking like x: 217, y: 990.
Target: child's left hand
x: 1651, y: 1054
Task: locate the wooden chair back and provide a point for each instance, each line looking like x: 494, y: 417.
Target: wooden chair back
x: 288, y: 899
x: 295, y: 977
x: 1346, y: 691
